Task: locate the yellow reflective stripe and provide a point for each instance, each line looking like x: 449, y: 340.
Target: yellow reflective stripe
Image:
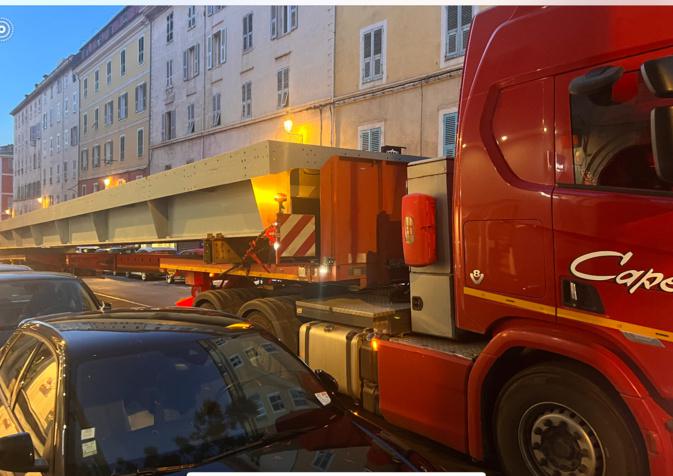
x: 602, y: 321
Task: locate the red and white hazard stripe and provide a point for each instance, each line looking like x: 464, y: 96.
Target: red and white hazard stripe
x: 296, y: 235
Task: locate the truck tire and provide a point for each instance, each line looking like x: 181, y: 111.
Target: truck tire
x: 209, y: 300
x: 276, y: 315
x: 557, y: 419
x: 233, y: 298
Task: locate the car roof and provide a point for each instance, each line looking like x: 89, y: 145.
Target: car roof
x: 13, y: 267
x: 95, y: 332
x: 33, y: 275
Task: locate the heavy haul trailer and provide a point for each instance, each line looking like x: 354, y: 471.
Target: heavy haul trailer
x: 536, y: 327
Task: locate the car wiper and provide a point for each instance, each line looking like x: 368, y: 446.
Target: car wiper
x: 159, y: 470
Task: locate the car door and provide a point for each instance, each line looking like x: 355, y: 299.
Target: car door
x: 14, y: 360
x: 613, y: 216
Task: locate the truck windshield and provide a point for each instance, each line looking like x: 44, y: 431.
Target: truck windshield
x: 611, y: 142
x: 180, y: 401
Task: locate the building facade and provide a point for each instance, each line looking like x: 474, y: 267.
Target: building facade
x: 226, y: 77
x: 114, y: 82
x: 46, y: 137
x: 397, y: 76
x: 6, y: 178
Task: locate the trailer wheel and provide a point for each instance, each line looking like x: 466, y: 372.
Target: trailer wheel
x: 556, y: 419
x: 208, y: 300
x: 276, y: 315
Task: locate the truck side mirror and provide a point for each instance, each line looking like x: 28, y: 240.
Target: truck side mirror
x: 17, y: 454
x: 661, y: 125
x: 596, y: 84
x: 658, y: 76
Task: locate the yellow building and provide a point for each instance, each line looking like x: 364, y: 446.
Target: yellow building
x: 114, y: 84
x: 397, y: 76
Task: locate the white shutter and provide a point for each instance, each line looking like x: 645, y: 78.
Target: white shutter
x: 274, y: 21
x: 173, y: 122
x: 375, y: 140
x: 163, y: 126
x: 185, y: 65
x: 364, y: 140
x: 451, y: 30
x: 294, y: 14
x: 449, y: 122
x: 209, y: 52
x: 223, y: 46
x: 377, y: 50
x: 197, y: 59
x: 367, y: 56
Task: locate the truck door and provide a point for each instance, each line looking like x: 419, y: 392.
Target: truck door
x: 613, y: 215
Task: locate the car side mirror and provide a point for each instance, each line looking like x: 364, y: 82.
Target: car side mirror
x: 658, y: 76
x: 17, y: 454
x: 327, y: 381
x: 661, y: 125
x: 105, y: 306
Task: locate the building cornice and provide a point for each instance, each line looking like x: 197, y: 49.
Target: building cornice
x: 41, y: 86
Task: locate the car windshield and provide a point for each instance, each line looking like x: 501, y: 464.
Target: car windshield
x: 25, y: 298
x: 182, y: 402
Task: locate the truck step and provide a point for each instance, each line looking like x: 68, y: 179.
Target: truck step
x: 466, y: 349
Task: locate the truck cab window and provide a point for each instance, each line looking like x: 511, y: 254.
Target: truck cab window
x: 611, y: 137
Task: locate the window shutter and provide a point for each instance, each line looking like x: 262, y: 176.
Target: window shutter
x: 449, y: 125
x: 223, y: 46
x: 279, y: 87
x: 163, y: 126
x: 364, y: 140
x: 286, y: 87
x: 173, y: 121
x: 185, y: 65
x: 197, y: 58
x: 375, y: 140
x: 274, y: 22
x: 377, y: 51
x: 451, y: 30
x: 465, y: 21
x: 294, y: 14
x: 209, y: 52
x: 367, y: 56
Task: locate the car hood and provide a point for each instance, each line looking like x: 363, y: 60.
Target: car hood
x: 346, y: 444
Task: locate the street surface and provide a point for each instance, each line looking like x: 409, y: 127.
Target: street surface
x: 124, y: 292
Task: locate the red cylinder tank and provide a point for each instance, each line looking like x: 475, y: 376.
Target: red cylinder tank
x: 419, y: 229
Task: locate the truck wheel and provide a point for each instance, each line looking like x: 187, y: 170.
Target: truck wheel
x: 209, y: 300
x: 555, y: 419
x: 233, y: 298
x: 275, y: 315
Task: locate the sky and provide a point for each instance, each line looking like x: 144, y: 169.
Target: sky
x: 42, y: 36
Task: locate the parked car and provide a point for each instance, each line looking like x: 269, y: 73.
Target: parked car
x: 8, y: 268
x: 171, y: 391
x: 25, y: 294
x: 145, y: 276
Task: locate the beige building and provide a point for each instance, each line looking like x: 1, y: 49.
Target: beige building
x: 397, y: 76
x: 114, y: 83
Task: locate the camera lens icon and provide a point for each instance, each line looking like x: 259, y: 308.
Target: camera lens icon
x: 6, y: 29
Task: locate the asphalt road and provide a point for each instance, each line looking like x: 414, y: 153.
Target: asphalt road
x: 124, y: 292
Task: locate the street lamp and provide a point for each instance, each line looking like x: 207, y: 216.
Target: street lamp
x: 287, y: 125
x: 107, y: 181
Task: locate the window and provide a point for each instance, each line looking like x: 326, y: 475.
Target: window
x: 190, y: 119
x: 58, y: 113
x: 96, y: 187
x: 169, y: 73
x: 276, y: 402
x: 141, y: 50
x: 190, y: 62
x: 373, y: 59
x: 458, y: 21
x: 247, y: 32
x: 122, y: 148
x: 283, y: 20
x: 246, y: 98
x: 449, y: 121
x: 108, y: 72
x: 109, y: 112
x: 191, y: 16
x: 298, y: 398
x: 216, y: 109
x: 168, y: 125
x: 141, y: 97
x: 122, y: 63
x: 83, y: 190
x: 85, y: 87
x: 95, y: 118
x: 74, y: 102
x: 283, y: 88
x: 216, y: 48
x: 612, y: 140
x: 169, y: 27
x: 96, y: 76
x: 95, y: 156
x: 58, y: 142
x: 58, y: 173
x: 371, y: 138
x: 44, y: 121
x: 84, y: 160
x: 108, y: 152
x: 51, y: 118
x: 85, y: 123
x: 123, y: 106
x: 140, y: 144
x: 73, y: 136
x: 65, y: 104
x: 212, y: 9
x: 65, y: 171
x: 235, y: 360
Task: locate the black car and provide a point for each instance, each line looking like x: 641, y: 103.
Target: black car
x: 168, y: 392
x: 25, y: 294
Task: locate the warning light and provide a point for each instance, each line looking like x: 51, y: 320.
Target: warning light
x: 280, y: 199
x: 375, y: 345
x: 239, y: 325
x: 276, y: 246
